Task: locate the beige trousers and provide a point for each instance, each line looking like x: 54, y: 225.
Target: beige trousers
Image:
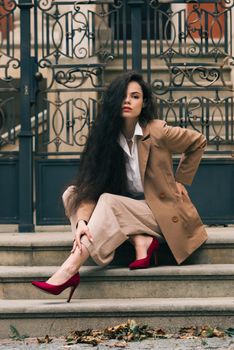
x: 114, y: 219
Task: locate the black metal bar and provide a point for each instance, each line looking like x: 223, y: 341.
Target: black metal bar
x: 47, y: 35
x: 113, y: 31
x: 225, y: 33
x: 207, y: 36
x: 35, y: 44
x: 230, y: 31
x: 232, y: 119
x: 226, y: 120
x: 179, y: 32
x: 125, y: 47
x: 25, y: 136
x: 148, y: 37
x: 136, y: 30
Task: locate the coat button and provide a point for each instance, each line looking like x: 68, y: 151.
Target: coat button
x: 162, y: 195
x: 175, y: 218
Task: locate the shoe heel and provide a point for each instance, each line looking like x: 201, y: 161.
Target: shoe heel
x: 72, y: 290
x: 156, y: 257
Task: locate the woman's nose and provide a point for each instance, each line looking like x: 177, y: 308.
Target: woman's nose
x: 127, y: 99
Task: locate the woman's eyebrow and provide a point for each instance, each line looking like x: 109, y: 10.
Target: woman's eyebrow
x: 136, y: 92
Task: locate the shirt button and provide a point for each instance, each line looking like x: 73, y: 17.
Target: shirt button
x: 175, y: 219
x: 162, y: 195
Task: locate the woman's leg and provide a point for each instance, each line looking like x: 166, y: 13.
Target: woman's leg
x: 76, y: 259
x: 114, y: 220
x: 141, y: 242
x: 70, y: 266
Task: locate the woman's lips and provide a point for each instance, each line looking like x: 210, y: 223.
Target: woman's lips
x: 127, y: 109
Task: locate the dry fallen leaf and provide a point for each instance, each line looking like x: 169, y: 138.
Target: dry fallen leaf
x: 132, y: 331
x: 125, y: 332
x: 188, y: 333
x: 209, y: 332
x: 218, y: 333
x: 45, y: 340
x: 202, y: 332
x: 160, y: 331
x: 88, y: 336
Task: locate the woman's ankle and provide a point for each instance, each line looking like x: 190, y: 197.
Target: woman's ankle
x: 141, y: 246
x: 59, y: 277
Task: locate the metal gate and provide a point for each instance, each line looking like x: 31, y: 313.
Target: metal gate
x: 56, y: 58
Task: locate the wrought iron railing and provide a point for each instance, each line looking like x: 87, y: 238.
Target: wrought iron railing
x: 9, y: 73
x: 59, y: 67
x: 197, y: 59
x: 186, y: 54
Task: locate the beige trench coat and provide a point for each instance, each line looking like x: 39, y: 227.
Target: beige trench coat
x: 177, y: 217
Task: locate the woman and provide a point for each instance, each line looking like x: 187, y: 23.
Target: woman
x: 126, y: 188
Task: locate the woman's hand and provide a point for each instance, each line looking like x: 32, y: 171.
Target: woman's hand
x: 181, y: 190
x: 82, y: 230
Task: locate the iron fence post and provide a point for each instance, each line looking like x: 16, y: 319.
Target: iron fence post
x: 25, y: 137
x: 136, y: 22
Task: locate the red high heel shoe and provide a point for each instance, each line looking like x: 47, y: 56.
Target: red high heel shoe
x: 73, y: 282
x: 145, y: 262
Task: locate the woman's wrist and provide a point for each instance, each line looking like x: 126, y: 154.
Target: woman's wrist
x: 77, y: 223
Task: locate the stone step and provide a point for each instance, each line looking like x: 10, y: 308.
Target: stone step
x: 57, y: 318
x: 191, y: 281
x: 52, y: 248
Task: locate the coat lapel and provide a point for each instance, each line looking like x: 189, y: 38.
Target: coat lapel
x: 143, y: 151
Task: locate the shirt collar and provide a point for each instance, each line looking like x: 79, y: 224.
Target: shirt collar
x: 122, y: 140
x: 138, y: 130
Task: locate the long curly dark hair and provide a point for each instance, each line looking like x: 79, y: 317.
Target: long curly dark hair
x: 102, y: 165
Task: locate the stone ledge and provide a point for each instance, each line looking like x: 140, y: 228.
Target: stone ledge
x: 200, y: 271
x: 93, y: 307
x: 56, y: 318
x: 216, y: 235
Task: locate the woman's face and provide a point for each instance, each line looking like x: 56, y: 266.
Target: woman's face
x: 133, y: 101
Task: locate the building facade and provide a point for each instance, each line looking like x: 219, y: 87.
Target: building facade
x: 57, y: 59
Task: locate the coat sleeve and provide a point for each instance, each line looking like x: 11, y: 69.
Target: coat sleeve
x: 188, y: 142
x: 85, y: 210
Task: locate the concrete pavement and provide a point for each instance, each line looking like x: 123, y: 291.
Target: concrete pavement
x: 226, y: 343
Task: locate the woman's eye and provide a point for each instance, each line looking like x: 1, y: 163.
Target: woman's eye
x: 136, y: 96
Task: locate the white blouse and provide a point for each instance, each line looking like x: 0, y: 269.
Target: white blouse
x: 132, y: 163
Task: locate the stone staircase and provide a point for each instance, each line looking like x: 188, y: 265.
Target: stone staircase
x: 199, y: 292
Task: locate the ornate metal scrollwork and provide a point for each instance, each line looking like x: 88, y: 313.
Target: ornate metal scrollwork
x: 154, y: 4
x: 77, y: 45
x: 190, y: 43
x: 76, y: 77
x: 7, y: 122
x: 45, y: 5
x: 226, y: 3
x: 75, y: 31
x: 8, y: 5
x: 199, y: 76
x: 69, y: 121
x: 9, y: 69
x: 197, y: 58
